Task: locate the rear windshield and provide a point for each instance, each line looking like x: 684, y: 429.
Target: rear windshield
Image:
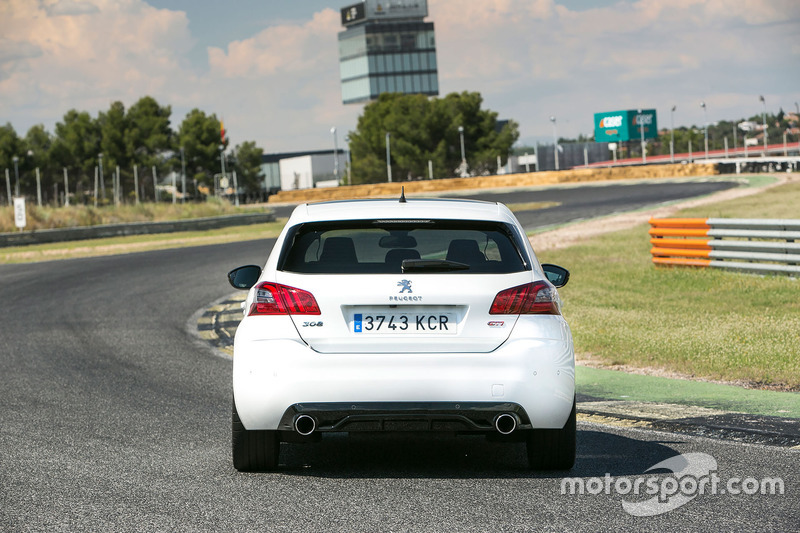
x: 379, y: 247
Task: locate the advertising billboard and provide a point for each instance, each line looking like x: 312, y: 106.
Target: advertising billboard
x: 622, y: 126
x: 382, y: 9
x: 353, y: 14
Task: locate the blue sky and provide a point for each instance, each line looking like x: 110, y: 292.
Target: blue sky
x: 270, y: 68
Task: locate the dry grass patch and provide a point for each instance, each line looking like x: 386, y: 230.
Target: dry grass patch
x: 47, y: 217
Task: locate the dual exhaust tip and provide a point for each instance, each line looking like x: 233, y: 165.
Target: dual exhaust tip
x: 504, y: 423
x: 304, y: 424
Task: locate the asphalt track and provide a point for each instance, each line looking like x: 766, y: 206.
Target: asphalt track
x: 115, y: 418
x: 587, y: 201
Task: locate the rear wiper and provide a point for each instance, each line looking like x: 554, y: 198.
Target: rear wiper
x: 432, y: 265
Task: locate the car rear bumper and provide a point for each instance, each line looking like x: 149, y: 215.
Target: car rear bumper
x: 273, y: 377
x: 404, y: 416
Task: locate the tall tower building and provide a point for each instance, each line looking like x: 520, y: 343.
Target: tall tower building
x: 387, y: 47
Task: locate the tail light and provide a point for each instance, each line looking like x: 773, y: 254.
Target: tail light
x: 537, y: 298
x: 275, y: 299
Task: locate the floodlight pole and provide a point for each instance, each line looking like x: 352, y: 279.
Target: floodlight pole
x: 349, y: 162
x: 705, y: 125
x: 38, y: 188
x: 388, y: 158
x: 764, y: 120
x: 66, y: 187
x: 335, y: 154
x: 222, y: 166
x: 15, y: 159
x: 183, y: 175
x: 672, y: 135
x: 463, y: 152
x: 555, y: 140
x: 102, y: 181
x: 641, y: 131
x: 8, y: 189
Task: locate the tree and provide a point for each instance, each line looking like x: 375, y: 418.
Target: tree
x: 689, y: 138
x: 10, y: 145
x: 76, y: 146
x: 38, y: 145
x: 148, y: 134
x: 481, y: 134
x: 199, y: 135
x: 40, y: 142
x: 247, y: 157
x: 114, y: 129
x: 422, y: 130
x: 139, y: 136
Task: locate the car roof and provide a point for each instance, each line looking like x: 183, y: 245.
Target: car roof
x: 393, y: 209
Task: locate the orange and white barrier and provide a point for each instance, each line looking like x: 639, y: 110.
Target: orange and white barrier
x: 755, y: 245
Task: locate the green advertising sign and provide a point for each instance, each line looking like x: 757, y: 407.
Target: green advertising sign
x: 621, y: 126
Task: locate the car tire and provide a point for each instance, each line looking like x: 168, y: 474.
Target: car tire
x: 253, y: 450
x: 553, y: 449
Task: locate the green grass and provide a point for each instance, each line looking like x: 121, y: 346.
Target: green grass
x: 700, y: 322
x: 777, y: 202
x: 611, y: 385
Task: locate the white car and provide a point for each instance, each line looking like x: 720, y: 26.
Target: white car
x: 386, y: 315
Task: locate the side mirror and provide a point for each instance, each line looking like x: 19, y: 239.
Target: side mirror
x: 244, y: 277
x: 558, y: 276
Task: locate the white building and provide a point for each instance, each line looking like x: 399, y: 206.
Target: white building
x: 309, y: 171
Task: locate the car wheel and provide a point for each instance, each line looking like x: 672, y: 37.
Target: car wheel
x: 553, y: 449
x: 253, y: 451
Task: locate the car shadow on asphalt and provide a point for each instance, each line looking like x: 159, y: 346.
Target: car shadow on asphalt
x: 463, y: 457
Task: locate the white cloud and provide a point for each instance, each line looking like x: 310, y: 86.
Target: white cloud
x: 89, y: 54
x: 282, y: 49
x: 529, y: 58
x: 534, y: 59
x: 287, y: 80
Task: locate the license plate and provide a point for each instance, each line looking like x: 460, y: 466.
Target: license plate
x: 400, y: 323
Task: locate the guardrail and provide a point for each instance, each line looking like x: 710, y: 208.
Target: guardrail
x: 766, y: 246
x: 134, y: 228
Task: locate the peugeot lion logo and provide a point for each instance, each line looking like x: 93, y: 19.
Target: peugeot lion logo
x: 406, y: 286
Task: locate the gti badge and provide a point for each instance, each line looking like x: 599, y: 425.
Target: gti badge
x: 406, y: 286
